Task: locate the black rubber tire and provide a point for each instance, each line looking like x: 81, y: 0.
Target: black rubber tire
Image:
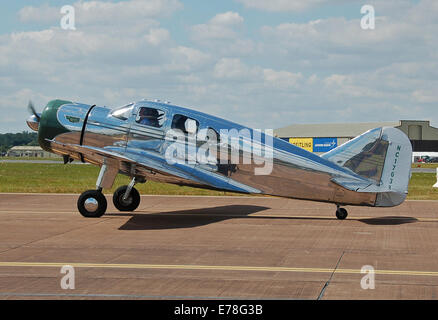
x: 341, y: 213
x: 132, y: 202
x: 101, y: 201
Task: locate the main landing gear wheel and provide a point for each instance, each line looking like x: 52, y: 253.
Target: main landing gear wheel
x: 341, y: 213
x: 123, y: 203
x: 92, y: 204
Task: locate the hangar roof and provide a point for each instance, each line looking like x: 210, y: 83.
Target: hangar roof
x: 26, y: 148
x: 330, y: 130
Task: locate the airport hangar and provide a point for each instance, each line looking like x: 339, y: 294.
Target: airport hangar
x: 321, y: 138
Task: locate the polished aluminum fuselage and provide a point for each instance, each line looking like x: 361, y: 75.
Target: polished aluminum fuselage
x: 139, y: 151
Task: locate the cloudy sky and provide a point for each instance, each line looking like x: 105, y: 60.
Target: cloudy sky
x: 265, y: 64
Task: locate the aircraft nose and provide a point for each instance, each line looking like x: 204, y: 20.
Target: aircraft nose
x: 49, y: 126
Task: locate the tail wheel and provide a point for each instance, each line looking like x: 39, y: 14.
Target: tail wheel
x: 341, y: 213
x: 92, y: 204
x: 130, y: 203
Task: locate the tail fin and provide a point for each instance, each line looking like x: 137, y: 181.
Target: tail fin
x: 384, y: 157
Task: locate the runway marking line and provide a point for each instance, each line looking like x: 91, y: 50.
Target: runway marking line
x: 226, y: 215
x: 216, y: 268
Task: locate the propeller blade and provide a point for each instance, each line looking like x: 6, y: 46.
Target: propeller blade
x: 31, y: 109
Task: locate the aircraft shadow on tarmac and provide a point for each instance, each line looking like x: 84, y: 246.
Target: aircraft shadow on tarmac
x: 204, y: 216
x: 388, y: 221
x: 187, y: 218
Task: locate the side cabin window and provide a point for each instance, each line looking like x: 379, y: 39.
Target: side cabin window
x: 150, y: 117
x: 123, y: 113
x: 210, y: 135
x: 185, y: 124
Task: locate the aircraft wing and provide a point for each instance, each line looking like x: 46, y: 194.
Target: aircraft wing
x: 157, y: 164
x: 108, y: 153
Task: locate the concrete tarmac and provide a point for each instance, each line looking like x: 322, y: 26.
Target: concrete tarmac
x: 184, y: 247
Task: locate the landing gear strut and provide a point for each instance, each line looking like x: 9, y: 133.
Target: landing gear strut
x: 92, y: 203
x: 127, y: 198
x: 341, y: 213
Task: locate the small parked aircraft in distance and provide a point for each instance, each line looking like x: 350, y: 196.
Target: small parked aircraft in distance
x: 154, y: 140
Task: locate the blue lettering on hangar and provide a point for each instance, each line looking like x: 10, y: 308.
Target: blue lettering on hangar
x: 324, y: 144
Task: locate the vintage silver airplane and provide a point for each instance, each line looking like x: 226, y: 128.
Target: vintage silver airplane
x: 154, y: 140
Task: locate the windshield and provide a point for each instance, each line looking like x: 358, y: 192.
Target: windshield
x: 123, y: 113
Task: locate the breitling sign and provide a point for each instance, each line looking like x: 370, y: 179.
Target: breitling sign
x: 315, y: 144
x: 303, y: 143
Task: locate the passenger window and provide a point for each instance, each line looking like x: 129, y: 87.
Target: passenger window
x: 123, y: 113
x: 185, y: 124
x: 210, y: 135
x: 213, y: 135
x: 150, y: 117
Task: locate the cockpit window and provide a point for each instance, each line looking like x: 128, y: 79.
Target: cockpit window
x: 150, y: 117
x: 123, y: 113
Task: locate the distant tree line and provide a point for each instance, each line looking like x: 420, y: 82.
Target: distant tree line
x: 9, y: 140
